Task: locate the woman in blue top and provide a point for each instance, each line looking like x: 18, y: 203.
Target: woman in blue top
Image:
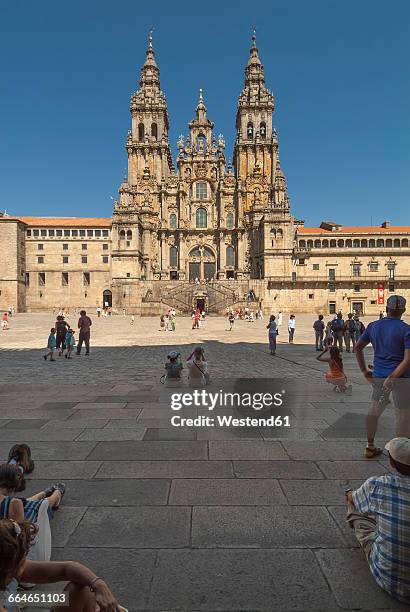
x: 273, y: 332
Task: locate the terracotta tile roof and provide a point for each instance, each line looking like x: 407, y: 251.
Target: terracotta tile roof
x: 371, y: 229
x: 64, y: 221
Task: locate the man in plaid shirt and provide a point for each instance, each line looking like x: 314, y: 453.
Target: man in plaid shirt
x: 379, y: 513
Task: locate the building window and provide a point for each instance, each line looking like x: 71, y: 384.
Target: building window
x: 28, y: 233
x: 84, y: 247
x: 97, y: 233
x: 262, y: 129
x: 318, y: 244
x: 86, y: 279
x: 373, y: 266
x: 40, y: 246
x: 128, y: 274
x: 59, y: 233
x: 65, y: 247
x: 332, y: 307
x: 128, y: 243
x: 293, y: 276
x: 141, y: 132
x: 229, y: 220
x: 65, y: 259
x: 391, y: 287
x: 74, y: 233
x: 173, y: 257
x: 90, y: 233
x: 154, y: 131
x: 105, y: 233
x: 201, y: 218
x: 27, y: 279
x: 105, y: 247
x: 201, y: 190
x: 67, y: 233
x: 51, y: 233
x: 316, y: 266
x: 356, y: 269
x: 311, y: 296
x: 332, y: 274
x: 43, y: 232
x: 84, y: 259
x: 301, y: 261
x: 332, y: 287
x: 356, y: 288
x: 230, y: 256
x: 391, y: 269
x: 40, y: 259
x: 356, y: 244
x: 82, y: 232
x: 172, y: 220
x: 41, y: 279
x: 64, y: 279
x: 380, y: 243
x: 105, y: 259
x: 36, y: 233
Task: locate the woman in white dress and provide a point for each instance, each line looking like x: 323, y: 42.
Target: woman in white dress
x: 198, y: 375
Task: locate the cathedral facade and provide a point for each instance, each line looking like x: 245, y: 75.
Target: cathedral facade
x: 203, y: 232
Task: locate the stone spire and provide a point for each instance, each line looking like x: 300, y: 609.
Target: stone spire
x: 149, y: 72
x: 201, y: 108
x: 254, y: 69
x: 279, y: 187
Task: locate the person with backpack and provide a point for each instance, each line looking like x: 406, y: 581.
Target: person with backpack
x: 359, y: 327
x: 337, y: 327
x: 319, y: 328
x: 350, y: 333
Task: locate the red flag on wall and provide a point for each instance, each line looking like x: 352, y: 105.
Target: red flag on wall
x: 380, y: 293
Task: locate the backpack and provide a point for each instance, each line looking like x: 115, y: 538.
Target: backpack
x: 351, y: 326
x: 337, y: 325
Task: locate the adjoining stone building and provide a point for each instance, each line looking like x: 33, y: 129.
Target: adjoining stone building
x: 204, y: 233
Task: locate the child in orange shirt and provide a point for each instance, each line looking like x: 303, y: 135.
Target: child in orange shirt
x: 336, y: 376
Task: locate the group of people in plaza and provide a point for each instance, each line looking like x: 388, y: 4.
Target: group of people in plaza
x: 26, y: 544
x: 61, y: 339
x: 166, y: 321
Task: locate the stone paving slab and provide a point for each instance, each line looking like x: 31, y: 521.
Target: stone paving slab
x: 276, y: 469
x: 326, y: 450
x: 225, y: 433
x: 264, y: 527
x: 170, y: 434
x: 129, y: 570
x: 236, y: 580
x: 351, y: 469
x: 230, y: 492
x: 317, y: 492
x: 339, y: 514
x: 24, y: 423
x: 101, y: 412
x: 52, y: 450
x: 96, y: 406
x: 146, y: 527
x: 247, y: 449
x: 75, y: 424
x: 291, y: 433
x: 351, y: 581
x: 64, y: 470
x: 150, y: 450
x: 144, y: 492
x: 40, y: 435
x: 60, y: 405
x: 165, y: 469
x: 112, y: 434
x: 64, y: 523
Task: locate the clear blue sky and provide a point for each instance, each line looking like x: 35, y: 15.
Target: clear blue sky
x: 339, y: 71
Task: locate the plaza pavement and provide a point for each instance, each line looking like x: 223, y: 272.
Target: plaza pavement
x: 195, y: 519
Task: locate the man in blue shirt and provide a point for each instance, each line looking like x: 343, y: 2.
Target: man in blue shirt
x: 390, y: 338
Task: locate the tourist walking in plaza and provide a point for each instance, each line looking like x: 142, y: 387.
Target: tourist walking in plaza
x: 337, y: 327
x: 5, y: 321
x: 319, y: 328
x: 69, y: 343
x: 98, y: 311
x: 379, y: 514
x: 280, y: 318
x: 51, y: 345
x: 84, y: 324
x: 272, y: 333
x: 61, y: 328
x: 390, y: 338
x: 350, y: 333
x: 291, y: 328
x: 231, y: 319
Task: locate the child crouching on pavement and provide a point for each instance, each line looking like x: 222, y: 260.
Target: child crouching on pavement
x: 336, y: 376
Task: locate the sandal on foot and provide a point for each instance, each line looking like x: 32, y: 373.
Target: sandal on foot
x: 371, y: 452
x: 59, y: 486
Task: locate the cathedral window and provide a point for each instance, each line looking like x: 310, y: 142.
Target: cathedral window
x: 201, y: 218
x: 318, y: 244
x: 372, y: 243
x: 129, y: 234
x: 389, y: 243
x: 154, y: 131
x: 405, y: 243
x: 201, y: 190
x: 302, y: 244
x: 249, y: 130
x: 230, y: 256
x: 64, y: 279
x: 397, y: 243
x: 229, y: 220
x: 363, y: 244
x: 172, y: 221
x: 262, y: 130
x: 141, y: 132
x: 356, y: 243
x: 173, y: 257
x: 380, y: 243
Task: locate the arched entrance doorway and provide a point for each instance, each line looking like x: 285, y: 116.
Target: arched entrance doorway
x: 202, y: 263
x: 107, y: 298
